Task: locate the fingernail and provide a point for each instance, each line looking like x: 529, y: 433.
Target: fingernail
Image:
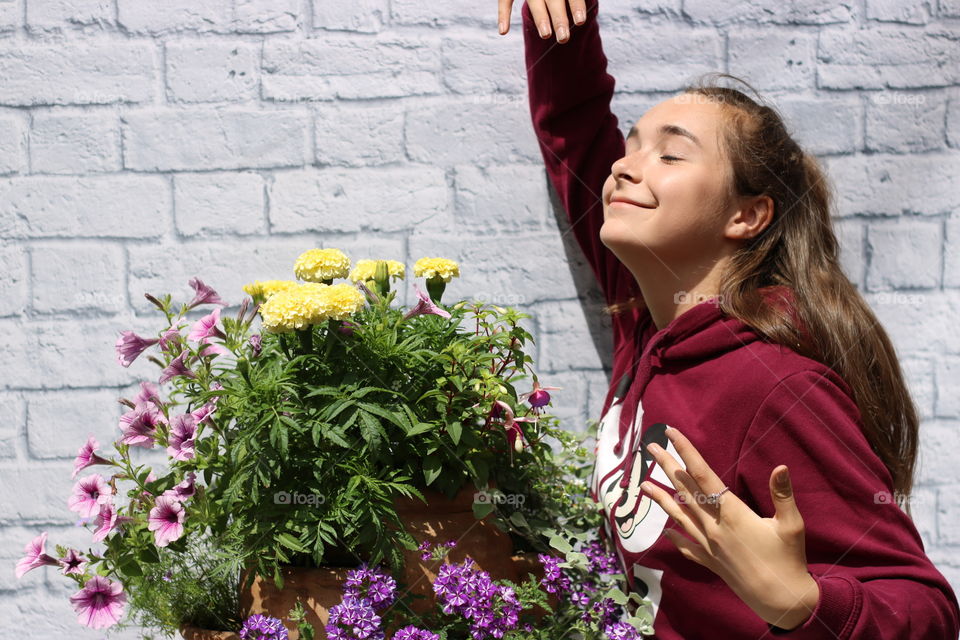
x: 579, y: 16
x: 646, y: 486
x: 544, y: 29
x: 502, y: 28
x: 653, y: 447
x: 562, y: 33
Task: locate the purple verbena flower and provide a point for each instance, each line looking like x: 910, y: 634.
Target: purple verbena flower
x: 260, y: 627
x: 353, y: 619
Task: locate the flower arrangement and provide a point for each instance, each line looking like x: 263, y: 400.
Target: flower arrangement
x: 289, y: 445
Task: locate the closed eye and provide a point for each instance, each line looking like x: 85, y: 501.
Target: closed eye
x: 670, y: 158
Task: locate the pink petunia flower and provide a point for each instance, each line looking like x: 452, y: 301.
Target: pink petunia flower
x: 139, y: 426
x: 129, y: 346
x: 206, y: 328
x: 35, y: 556
x: 424, y: 306
x: 86, y: 457
x: 203, y: 294
x: 88, y: 494
x: 166, y: 520
x: 100, y: 603
x: 203, y: 413
x: 73, y: 562
x: 184, y: 490
x: 170, y: 339
x: 183, y: 431
x: 149, y: 393
x: 176, y: 368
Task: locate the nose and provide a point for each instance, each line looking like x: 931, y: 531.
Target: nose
x: 622, y: 169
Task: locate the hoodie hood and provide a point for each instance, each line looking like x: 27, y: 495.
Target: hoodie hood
x: 701, y: 333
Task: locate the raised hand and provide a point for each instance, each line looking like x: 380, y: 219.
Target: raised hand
x: 550, y: 16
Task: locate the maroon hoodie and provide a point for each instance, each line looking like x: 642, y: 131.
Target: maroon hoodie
x: 746, y: 404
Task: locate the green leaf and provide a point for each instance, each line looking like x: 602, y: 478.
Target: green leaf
x: 518, y: 519
x: 455, y: 429
x: 560, y: 544
x: 129, y: 566
x: 148, y: 554
x: 421, y: 427
x: 617, y: 596
x: 482, y: 509
x: 371, y: 429
x: 431, y: 469
x: 290, y: 542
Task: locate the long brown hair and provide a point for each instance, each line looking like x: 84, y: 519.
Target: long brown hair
x: 799, y: 249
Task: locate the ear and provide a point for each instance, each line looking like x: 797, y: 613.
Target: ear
x: 754, y: 215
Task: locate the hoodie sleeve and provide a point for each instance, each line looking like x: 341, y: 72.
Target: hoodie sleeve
x: 570, y: 91
x: 876, y: 582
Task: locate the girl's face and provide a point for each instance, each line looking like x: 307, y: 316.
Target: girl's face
x: 669, y: 199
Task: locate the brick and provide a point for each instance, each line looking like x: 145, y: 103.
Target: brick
x: 362, y: 16
x: 918, y: 373
x: 485, y: 66
x: 165, y: 140
x: 887, y: 57
x: 824, y: 125
x: 13, y: 540
x: 59, y: 422
x: 48, y: 614
x: 228, y: 266
x: 340, y: 66
x: 935, y: 465
x: 951, y: 252
x: 497, y: 134
x: 345, y: 200
x: 358, y: 135
x: 407, y: 12
x: 77, y: 72
x: 953, y: 122
x: 74, y: 277
x: 13, y: 286
x: 11, y: 14
x: 75, y: 143
x: 898, y: 11
x: 773, y: 58
x: 266, y: 16
x: 762, y: 11
x: 36, y: 494
x: 564, y: 336
x: 118, y: 206
x: 671, y: 58
x: 219, y: 204
x: 947, y: 510
x: 947, y: 403
x: 62, y: 15
x: 529, y: 272
x: 199, y: 71
x: 919, y: 322
x: 13, y: 145
x: 898, y: 122
x: 12, y: 421
x: 66, y: 353
x: 949, y: 8
x: 905, y: 254
x: 850, y: 236
x: 502, y: 198
x: 160, y: 16
x: 893, y: 185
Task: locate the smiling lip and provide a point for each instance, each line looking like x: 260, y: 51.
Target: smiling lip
x: 630, y: 202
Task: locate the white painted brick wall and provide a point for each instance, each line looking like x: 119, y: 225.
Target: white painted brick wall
x: 144, y: 142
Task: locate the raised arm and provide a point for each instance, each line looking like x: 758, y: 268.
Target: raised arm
x: 570, y: 91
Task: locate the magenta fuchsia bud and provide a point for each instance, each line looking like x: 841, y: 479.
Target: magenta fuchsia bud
x: 539, y: 398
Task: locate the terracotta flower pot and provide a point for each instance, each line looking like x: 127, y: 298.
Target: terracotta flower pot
x: 195, y: 633
x: 318, y: 589
x: 443, y: 519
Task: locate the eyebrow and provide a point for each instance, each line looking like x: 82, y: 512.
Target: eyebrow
x: 670, y: 130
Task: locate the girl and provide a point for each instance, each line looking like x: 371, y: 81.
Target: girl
x: 741, y: 351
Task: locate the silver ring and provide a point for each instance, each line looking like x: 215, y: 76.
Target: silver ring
x: 714, y: 498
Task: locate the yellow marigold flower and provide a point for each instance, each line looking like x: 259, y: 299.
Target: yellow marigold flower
x: 430, y: 268
x: 365, y: 270
x: 319, y: 265
x: 290, y: 310
x: 341, y: 301
x: 266, y: 288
